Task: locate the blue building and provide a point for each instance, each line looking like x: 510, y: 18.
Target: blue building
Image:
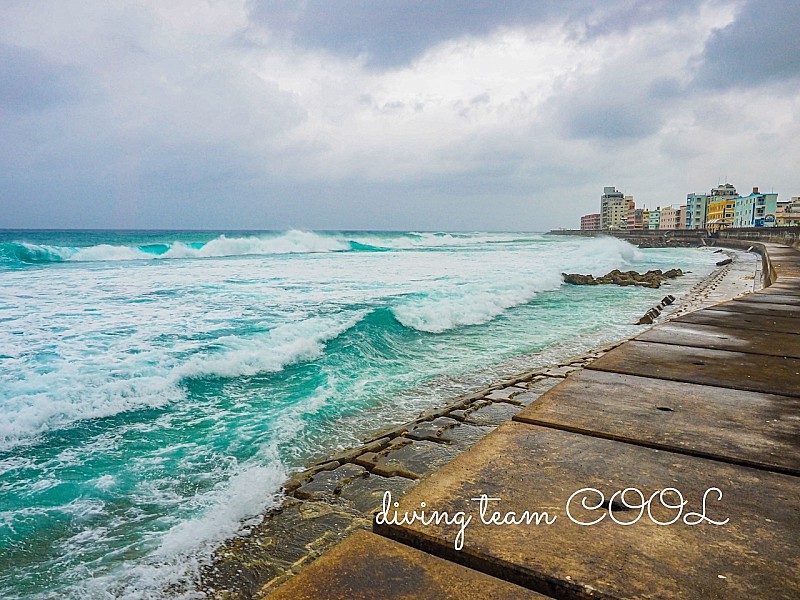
x: 755, y: 210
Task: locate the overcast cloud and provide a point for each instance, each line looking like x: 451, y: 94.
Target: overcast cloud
x: 393, y: 115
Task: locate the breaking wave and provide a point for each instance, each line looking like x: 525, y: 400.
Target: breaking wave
x: 289, y: 242
x: 85, y: 394
x: 448, y: 309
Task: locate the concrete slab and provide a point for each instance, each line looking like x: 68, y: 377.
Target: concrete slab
x: 782, y: 287
x: 787, y: 270
x: 759, y: 308
x: 726, y: 318
x: 721, y: 368
x: 768, y: 303
x: 724, y: 338
x: 790, y: 283
x: 753, y: 555
x: 366, y: 566
x: 749, y: 428
x: 773, y: 298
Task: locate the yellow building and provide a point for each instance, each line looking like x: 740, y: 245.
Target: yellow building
x: 720, y: 214
x: 788, y: 213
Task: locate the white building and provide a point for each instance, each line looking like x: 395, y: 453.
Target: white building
x: 613, y: 209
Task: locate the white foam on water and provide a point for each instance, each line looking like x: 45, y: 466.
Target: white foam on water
x: 469, y: 305
x: 172, y: 569
x: 272, y: 351
x: 291, y: 242
x: 41, y: 402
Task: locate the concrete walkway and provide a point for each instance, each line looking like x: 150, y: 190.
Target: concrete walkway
x: 705, y: 408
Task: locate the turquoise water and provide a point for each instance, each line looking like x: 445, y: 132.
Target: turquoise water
x: 157, y: 387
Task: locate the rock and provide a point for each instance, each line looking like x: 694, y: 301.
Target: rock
x: 577, y: 279
x: 651, y: 279
x: 722, y: 263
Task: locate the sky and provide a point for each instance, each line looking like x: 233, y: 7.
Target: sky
x: 376, y: 114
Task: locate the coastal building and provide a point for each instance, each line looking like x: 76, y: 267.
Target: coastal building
x: 787, y: 213
x: 720, y: 213
x: 682, y: 217
x: 645, y: 219
x: 755, y: 210
x: 654, y: 219
x: 635, y: 218
x: 697, y: 205
x: 613, y: 209
x: 696, y: 210
x: 590, y: 222
x: 669, y: 218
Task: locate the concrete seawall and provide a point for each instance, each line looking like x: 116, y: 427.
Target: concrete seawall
x: 665, y: 467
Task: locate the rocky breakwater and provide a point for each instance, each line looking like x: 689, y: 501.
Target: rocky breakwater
x: 651, y: 279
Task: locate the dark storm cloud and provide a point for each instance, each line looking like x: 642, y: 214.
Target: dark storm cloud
x: 613, y: 121
x: 761, y: 46
x: 391, y: 33
x: 30, y: 82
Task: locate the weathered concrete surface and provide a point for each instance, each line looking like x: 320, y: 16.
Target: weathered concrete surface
x: 772, y: 298
x: 728, y: 337
x: 759, y: 308
x: 783, y: 286
x: 279, y: 546
x: 369, y: 567
x: 754, y: 555
x: 721, y: 368
x: 330, y: 483
x: 407, y: 459
x: 727, y: 318
x: 760, y: 430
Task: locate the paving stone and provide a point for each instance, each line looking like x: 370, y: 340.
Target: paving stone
x: 505, y: 394
x: 458, y: 415
x: 328, y: 483
x: 366, y: 566
x: 435, y: 431
x: 560, y: 371
x: 467, y: 433
x: 412, y: 459
x: 545, y: 384
x: 750, y: 428
x: 365, y: 494
x: 349, y: 454
x: 527, y: 398
x: 753, y: 555
x: 493, y: 414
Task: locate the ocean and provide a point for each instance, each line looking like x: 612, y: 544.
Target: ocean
x: 156, y: 388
